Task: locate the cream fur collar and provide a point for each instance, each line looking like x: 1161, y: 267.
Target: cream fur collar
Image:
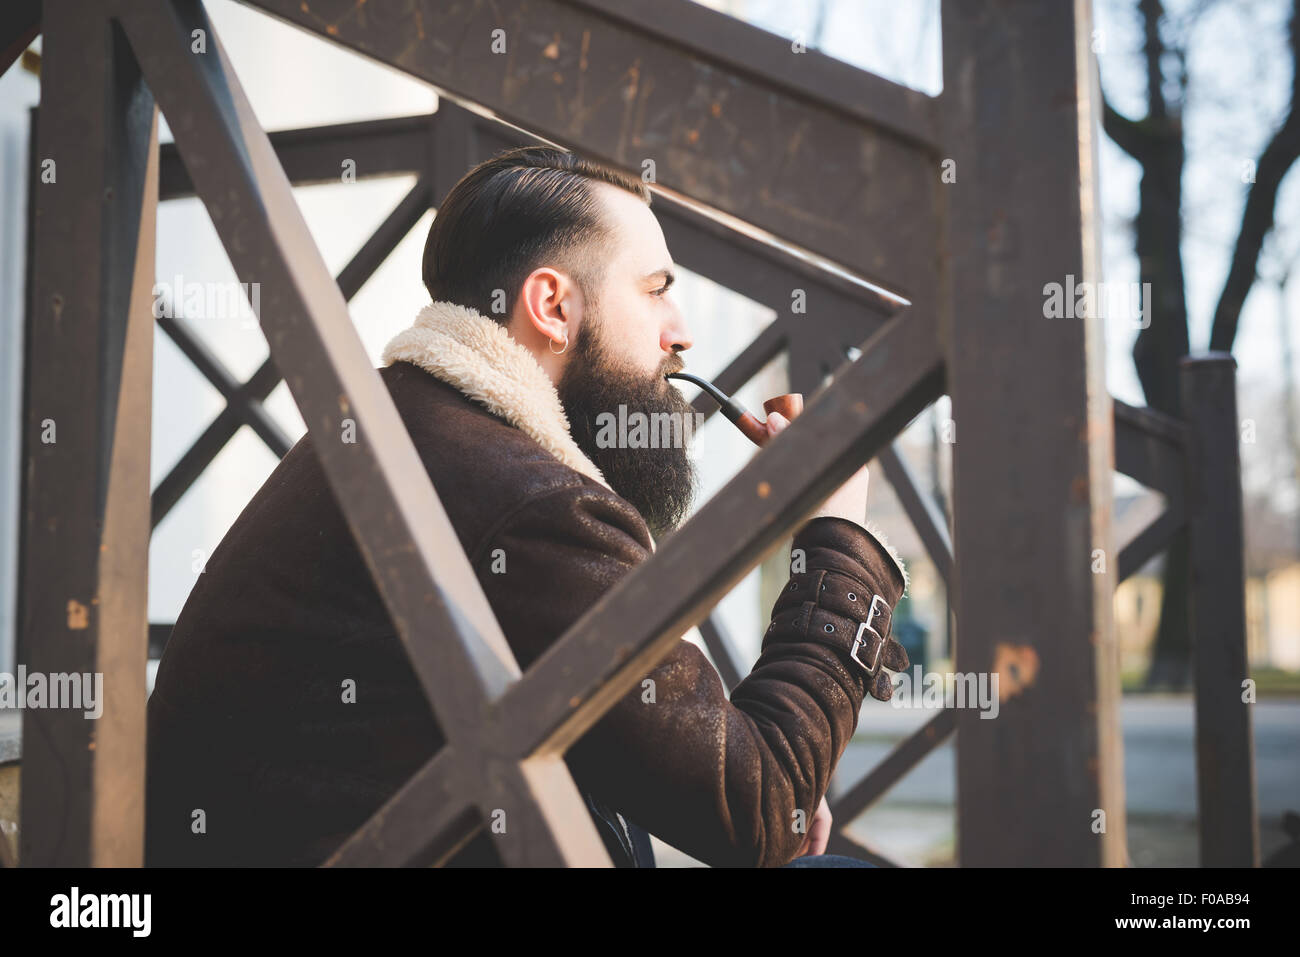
x: 466, y: 349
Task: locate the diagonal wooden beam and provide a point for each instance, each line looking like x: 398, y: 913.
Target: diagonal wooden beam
x: 399, y: 524
x: 542, y: 814
x: 600, y: 657
x: 721, y: 650
x: 841, y: 843
x: 839, y: 306
x: 20, y: 23
x: 222, y: 429
x: 453, y: 640
x: 764, y: 347
x: 445, y: 823
x: 620, y: 638
x: 909, y: 753
x: 1151, y: 541
x: 906, y: 755
x: 249, y: 410
x: 921, y: 510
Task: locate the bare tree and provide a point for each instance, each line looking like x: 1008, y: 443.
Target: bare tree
x: 1156, y: 142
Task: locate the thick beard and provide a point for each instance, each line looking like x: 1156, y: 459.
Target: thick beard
x: 659, y: 482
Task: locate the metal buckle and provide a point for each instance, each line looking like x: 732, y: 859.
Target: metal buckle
x: 858, y: 641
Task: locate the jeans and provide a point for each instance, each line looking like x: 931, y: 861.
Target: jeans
x: 827, y: 860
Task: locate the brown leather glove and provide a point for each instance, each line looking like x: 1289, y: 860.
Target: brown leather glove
x: 844, y: 598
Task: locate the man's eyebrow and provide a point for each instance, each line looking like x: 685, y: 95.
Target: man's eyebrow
x: 669, y: 276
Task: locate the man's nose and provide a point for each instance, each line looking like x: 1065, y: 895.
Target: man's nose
x: 676, y: 338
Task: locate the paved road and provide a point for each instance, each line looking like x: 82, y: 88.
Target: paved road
x: 1159, y: 755
x: 914, y: 822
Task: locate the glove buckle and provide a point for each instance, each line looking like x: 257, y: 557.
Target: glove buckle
x: 860, y: 641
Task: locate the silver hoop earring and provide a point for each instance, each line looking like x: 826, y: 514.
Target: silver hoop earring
x: 566, y: 345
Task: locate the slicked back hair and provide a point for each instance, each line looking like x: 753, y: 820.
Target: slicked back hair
x: 518, y: 211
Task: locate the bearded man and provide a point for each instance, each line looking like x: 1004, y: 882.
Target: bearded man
x: 549, y: 280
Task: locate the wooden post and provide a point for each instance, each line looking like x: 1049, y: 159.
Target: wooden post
x: 1042, y: 784
x: 1225, y: 752
x: 89, y: 386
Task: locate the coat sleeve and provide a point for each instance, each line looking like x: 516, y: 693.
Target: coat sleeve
x: 719, y: 779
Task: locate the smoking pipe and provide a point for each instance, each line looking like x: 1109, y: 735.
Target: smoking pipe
x: 789, y: 405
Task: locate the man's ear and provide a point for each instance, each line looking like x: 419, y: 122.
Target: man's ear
x: 573, y: 307
x: 539, y: 315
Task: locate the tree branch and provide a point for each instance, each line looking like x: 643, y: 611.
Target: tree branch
x: 1257, y: 219
x: 1128, y: 135
x: 1152, y: 11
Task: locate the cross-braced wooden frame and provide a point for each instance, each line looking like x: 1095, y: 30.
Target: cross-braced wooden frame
x: 839, y: 163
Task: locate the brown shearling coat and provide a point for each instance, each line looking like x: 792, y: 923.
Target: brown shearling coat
x: 246, y: 720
